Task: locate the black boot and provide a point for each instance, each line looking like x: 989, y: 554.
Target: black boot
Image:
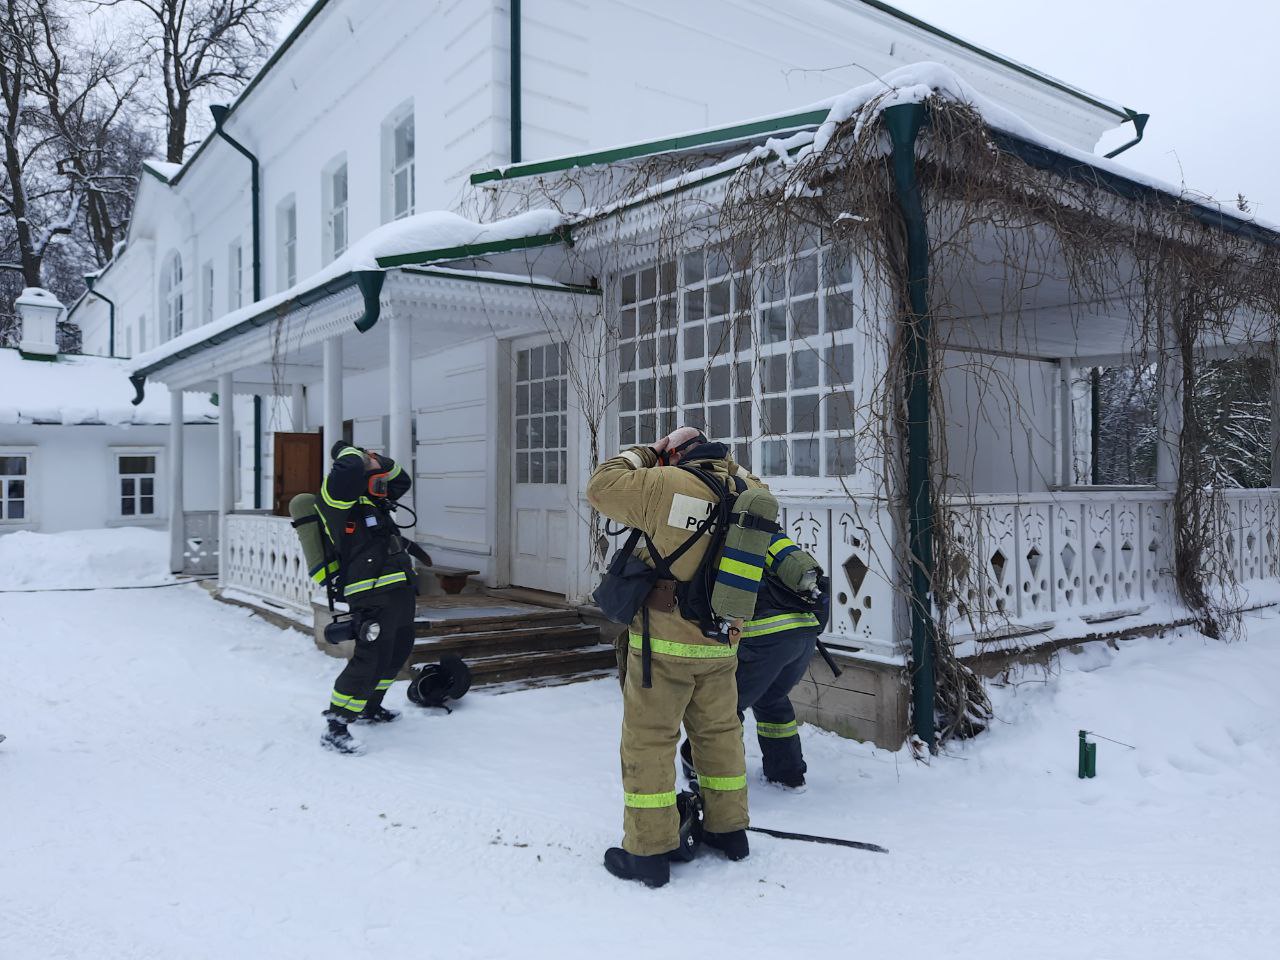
x: 338, y: 739
x: 653, y: 871
x: 792, y: 781
x: 732, y: 844
x: 378, y: 714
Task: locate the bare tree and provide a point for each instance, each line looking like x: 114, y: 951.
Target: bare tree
x: 201, y: 47
x: 32, y: 196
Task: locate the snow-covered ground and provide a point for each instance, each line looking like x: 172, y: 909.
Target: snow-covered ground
x: 123, y: 557
x: 164, y: 796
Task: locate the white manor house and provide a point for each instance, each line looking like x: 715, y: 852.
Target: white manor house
x: 415, y: 229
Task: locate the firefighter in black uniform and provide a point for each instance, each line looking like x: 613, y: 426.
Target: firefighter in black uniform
x: 375, y: 576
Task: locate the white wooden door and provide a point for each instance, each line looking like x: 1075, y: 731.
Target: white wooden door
x: 540, y: 517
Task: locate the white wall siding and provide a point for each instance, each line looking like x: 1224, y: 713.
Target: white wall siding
x: 73, y: 482
x: 452, y: 407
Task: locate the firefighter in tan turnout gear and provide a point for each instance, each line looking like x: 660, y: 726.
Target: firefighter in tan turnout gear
x: 691, y: 676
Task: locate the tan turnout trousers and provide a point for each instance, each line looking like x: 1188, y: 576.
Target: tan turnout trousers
x: 701, y: 694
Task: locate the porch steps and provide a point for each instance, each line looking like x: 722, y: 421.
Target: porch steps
x: 516, y: 644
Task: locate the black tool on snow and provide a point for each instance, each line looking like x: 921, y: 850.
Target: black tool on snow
x: 810, y: 838
x: 437, y: 683
x: 689, y: 804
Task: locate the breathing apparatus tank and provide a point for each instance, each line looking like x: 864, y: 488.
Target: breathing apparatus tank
x: 310, y: 529
x: 752, y: 524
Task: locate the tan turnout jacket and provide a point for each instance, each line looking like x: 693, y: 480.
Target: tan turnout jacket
x: 667, y: 503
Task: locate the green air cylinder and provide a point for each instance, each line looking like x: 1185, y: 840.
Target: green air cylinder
x: 755, y: 521
x: 794, y: 567
x: 306, y: 521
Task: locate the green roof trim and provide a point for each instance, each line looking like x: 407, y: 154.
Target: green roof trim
x: 501, y: 282
x: 740, y: 131
x: 476, y: 250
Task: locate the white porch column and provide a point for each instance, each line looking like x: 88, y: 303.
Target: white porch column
x: 298, y: 413
x: 401, y: 387
x: 332, y: 393
x: 176, y: 516
x: 226, y: 447
x: 1067, y: 474
x: 1169, y: 418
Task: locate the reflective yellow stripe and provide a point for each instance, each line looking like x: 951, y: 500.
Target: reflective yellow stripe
x: 698, y: 651
x: 395, y: 472
x: 319, y: 575
x: 777, y: 731
x: 386, y: 684
x: 349, y: 452
x: 345, y: 702
x: 360, y: 586
x: 654, y: 801
x: 747, y: 570
x: 722, y: 783
x: 780, y: 544
x: 333, y: 501
x: 785, y: 621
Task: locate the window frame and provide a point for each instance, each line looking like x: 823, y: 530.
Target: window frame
x: 396, y: 121
x: 287, y: 242
x: 235, y: 274
x: 687, y: 280
x: 28, y: 455
x: 157, y: 514
x: 336, y: 215
x: 206, y: 285
x: 171, y: 299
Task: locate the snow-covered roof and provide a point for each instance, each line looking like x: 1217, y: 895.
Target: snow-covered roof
x: 82, y: 390
x: 423, y: 238
x: 910, y: 84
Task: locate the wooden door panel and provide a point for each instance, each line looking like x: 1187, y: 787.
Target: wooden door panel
x: 299, y: 466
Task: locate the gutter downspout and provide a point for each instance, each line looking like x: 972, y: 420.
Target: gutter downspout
x: 904, y: 122
x: 111, y: 308
x: 219, y: 112
x: 1139, y: 121
x: 516, y: 151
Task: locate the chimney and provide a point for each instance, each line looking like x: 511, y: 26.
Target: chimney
x: 39, y: 311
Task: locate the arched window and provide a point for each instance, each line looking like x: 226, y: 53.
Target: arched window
x: 171, y: 296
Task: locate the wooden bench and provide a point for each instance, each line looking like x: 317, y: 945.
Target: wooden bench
x: 452, y: 579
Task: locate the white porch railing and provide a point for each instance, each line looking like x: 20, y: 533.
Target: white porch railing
x: 1032, y: 558
x: 261, y: 555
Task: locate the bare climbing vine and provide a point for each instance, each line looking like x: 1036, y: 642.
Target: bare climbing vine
x: 1014, y: 231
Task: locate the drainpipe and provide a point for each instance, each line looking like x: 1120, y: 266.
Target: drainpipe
x: 904, y: 122
x: 89, y: 281
x: 516, y: 152
x: 1139, y: 121
x: 219, y: 112
x: 1095, y: 424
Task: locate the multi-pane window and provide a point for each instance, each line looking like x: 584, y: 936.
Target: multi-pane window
x: 287, y: 233
x: 171, y: 296
x: 337, y: 203
x: 13, y: 487
x: 402, y: 187
x: 137, y: 485
x: 542, y: 386
x: 759, y: 359
x: 235, y: 276
x: 206, y: 290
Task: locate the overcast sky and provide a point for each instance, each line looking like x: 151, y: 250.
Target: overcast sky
x: 1206, y: 72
